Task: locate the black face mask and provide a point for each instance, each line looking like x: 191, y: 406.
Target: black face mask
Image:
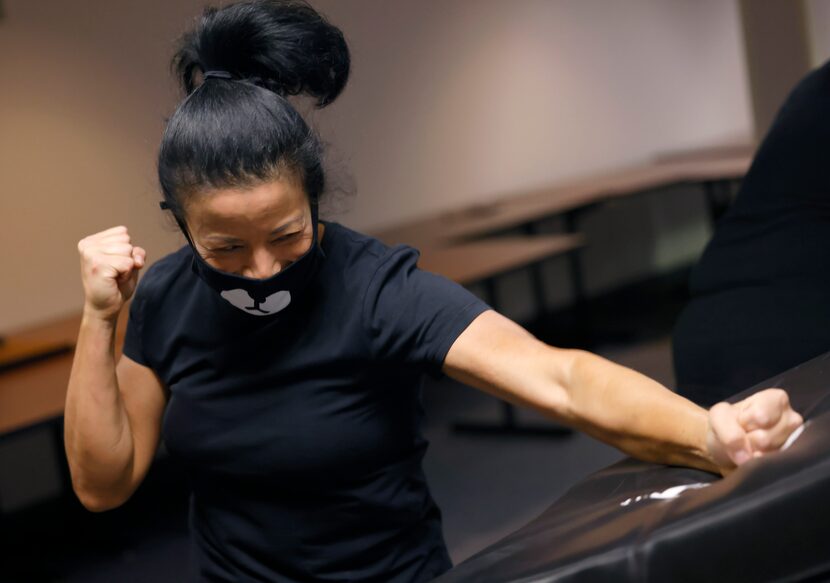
x: 260, y: 297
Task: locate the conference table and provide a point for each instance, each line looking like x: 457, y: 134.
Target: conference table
x: 635, y: 521
x: 714, y: 169
x: 517, y: 210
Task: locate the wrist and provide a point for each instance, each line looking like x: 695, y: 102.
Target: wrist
x: 706, y: 445
x: 99, y: 318
x: 700, y: 449
x: 715, y: 454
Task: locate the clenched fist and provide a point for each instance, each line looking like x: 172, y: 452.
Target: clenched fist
x: 759, y: 424
x: 109, y: 270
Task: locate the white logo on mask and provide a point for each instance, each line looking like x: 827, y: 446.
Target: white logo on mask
x: 272, y: 304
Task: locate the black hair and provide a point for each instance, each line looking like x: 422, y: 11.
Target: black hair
x: 240, y: 131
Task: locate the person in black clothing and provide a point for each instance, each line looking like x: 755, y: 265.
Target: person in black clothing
x: 281, y: 357
x: 759, y: 295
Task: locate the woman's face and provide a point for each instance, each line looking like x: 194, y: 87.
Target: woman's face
x: 255, y: 232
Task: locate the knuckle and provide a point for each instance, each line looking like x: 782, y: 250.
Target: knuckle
x: 777, y: 396
x: 761, y: 416
x: 761, y: 439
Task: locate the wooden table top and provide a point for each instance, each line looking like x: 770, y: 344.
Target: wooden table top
x: 441, y: 230
x: 36, y: 392
x: 733, y: 149
x: 474, y: 261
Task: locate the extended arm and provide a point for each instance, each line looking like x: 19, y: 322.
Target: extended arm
x: 615, y: 404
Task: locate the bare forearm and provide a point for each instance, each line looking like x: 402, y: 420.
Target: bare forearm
x: 635, y: 414
x: 97, y: 431
x: 614, y: 404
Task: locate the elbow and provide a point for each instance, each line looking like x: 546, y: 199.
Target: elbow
x: 97, y: 504
x: 97, y: 490
x: 96, y: 500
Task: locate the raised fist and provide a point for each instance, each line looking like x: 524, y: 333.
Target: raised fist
x: 109, y: 270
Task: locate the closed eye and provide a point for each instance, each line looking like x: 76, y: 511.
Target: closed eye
x: 226, y: 249
x: 287, y: 237
x: 231, y: 248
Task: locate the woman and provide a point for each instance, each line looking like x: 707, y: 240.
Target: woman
x: 281, y: 356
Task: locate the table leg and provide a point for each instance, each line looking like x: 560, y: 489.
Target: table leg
x: 537, y: 282
x: 582, y: 325
x: 574, y: 262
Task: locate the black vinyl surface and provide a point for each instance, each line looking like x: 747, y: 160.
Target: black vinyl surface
x: 767, y: 521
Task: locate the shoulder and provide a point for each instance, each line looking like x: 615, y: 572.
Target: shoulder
x: 353, y: 250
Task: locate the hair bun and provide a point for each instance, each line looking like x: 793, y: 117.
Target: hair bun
x: 287, y: 45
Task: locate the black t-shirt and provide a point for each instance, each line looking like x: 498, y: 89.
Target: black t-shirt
x: 761, y: 292
x: 301, y: 431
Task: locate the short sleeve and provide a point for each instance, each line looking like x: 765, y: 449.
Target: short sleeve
x: 133, y: 345
x: 414, y: 316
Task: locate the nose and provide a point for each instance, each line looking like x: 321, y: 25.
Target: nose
x: 262, y: 265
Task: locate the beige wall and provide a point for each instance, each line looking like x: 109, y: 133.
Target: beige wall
x: 451, y: 102
x: 817, y: 14
x: 459, y: 101
x: 84, y: 89
x: 777, y: 54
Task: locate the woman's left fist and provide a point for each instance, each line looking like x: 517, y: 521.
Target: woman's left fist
x: 759, y: 424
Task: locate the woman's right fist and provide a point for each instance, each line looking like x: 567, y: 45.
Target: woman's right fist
x: 109, y: 270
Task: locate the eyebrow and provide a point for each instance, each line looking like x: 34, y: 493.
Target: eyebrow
x: 278, y: 230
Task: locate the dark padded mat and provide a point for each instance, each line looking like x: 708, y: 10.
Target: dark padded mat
x: 767, y: 521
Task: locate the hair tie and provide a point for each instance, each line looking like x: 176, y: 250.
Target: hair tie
x: 216, y: 75
x: 254, y: 79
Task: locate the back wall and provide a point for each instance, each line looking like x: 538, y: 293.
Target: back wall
x: 451, y: 102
